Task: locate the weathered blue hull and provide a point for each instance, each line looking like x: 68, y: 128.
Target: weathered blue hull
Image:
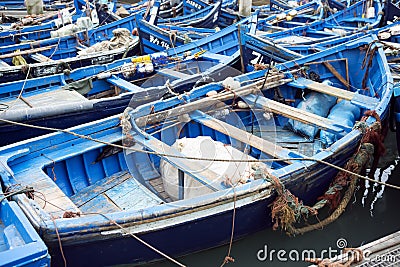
x: 189, y: 237
x: 225, y: 17
x: 154, y: 39
x: 14, y: 133
x: 18, y: 73
x: 203, y: 18
x: 348, y: 19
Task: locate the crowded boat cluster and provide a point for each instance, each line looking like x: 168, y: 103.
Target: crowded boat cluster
x: 133, y: 133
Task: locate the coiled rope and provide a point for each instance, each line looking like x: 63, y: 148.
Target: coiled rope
x: 287, y: 209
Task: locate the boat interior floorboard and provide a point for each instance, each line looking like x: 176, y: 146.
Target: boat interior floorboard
x: 115, y: 193
x: 290, y: 140
x: 158, y: 185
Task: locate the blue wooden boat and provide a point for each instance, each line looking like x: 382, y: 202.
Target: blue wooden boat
x: 120, y: 196
x: 20, y: 5
x: 19, y: 27
x: 348, y: 19
x: 168, y: 9
x: 171, y: 8
x: 48, y: 57
x: 226, y: 17
x: 95, y: 92
x: 305, y: 12
x: 44, y: 30
x: 278, y: 5
x: 204, y: 18
x: 154, y: 39
x: 91, y: 93
x: 64, y: 47
x: 20, y: 245
x: 263, y: 50
x: 41, y: 65
x: 392, y: 11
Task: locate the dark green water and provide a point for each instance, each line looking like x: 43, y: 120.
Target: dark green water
x: 365, y: 219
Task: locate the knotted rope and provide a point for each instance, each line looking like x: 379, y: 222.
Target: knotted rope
x: 287, y: 209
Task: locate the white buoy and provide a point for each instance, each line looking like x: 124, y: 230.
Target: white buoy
x: 245, y: 7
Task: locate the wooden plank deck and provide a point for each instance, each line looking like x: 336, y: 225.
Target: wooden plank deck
x: 27, y: 52
x: 115, y: 193
x: 158, y: 185
x: 54, y: 197
x: 174, y: 73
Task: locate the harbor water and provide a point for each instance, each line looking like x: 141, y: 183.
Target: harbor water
x: 371, y: 214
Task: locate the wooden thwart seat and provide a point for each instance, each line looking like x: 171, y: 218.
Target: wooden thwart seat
x: 4, y: 64
x: 357, y: 99
x: 27, y: 52
x: 257, y: 142
x: 174, y: 73
x: 296, y: 114
x: 40, y: 58
x: 123, y: 84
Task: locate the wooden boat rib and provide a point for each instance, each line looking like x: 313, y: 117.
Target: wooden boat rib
x: 107, y: 185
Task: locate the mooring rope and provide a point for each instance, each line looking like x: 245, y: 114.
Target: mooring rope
x: 288, y: 210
